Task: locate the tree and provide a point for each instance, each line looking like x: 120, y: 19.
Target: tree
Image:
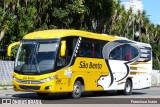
x: 155, y: 42
x: 19, y: 17
x: 98, y: 16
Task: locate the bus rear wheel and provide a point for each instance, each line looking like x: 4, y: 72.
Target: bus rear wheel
x: 77, y: 90
x: 128, y: 88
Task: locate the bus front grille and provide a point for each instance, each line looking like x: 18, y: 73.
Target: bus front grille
x: 29, y: 87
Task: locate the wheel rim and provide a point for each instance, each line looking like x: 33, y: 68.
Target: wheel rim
x: 77, y: 89
x: 128, y: 88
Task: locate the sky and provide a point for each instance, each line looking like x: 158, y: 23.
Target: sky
x: 152, y: 8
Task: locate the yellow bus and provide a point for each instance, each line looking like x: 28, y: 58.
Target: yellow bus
x: 73, y: 61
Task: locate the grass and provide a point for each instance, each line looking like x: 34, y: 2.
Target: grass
x: 5, y: 88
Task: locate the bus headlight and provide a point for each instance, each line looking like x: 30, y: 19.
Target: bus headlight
x: 47, y: 79
x: 34, y: 81
x: 17, y: 80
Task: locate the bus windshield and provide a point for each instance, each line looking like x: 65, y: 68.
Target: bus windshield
x: 36, y: 57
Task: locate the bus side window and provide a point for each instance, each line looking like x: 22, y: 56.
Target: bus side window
x: 149, y: 54
x: 85, y: 49
x: 146, y: 55
x: 132, y: 52
x: 98, y: 50
x: 91, y: 48
x: 70, y: 45
x: 128, y: 55
x: 116, y: 54
x: 124, y: 52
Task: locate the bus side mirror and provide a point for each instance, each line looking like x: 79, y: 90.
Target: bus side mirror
x: 9, y: 50
x: 63, y: 48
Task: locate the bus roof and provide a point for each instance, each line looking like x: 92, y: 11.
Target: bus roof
x: 59, y: 33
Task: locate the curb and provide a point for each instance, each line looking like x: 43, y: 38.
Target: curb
x: 155, y: 86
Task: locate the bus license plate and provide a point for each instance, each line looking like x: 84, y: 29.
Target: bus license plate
x: 29, y: 90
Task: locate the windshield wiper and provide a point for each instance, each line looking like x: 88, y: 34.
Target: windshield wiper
x: 31, y: 68
x: 36, y: 65
x: 23, y: 67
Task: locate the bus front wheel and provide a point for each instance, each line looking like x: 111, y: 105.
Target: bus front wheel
x: 77, y: 90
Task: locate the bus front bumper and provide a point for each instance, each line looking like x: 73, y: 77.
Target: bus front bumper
x: 47, y: 87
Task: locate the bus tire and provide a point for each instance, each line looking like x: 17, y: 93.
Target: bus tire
x: 128, y: 88
x: 42, y: 95
x: 77, y: 90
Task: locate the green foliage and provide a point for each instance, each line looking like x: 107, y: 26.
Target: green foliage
x: 19, y: 17
x: 156, y: 65
x: 14, y: 52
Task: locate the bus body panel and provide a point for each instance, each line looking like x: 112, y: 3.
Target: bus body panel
x: 141, y: 73
x: 96, y: 74
x: 87, y: 68
x: 91, y: 70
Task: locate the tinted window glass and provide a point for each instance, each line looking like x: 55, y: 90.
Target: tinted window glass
x: 98, y: 50
x: 91, y: 48
x: 70, y: 46
x: 85, y: 49
x: 123, y: 52
x: 145, y: 54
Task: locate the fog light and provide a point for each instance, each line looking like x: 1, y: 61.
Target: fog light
x: 48, y: 87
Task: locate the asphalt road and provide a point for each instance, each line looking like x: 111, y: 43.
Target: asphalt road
x: 149, y: 96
